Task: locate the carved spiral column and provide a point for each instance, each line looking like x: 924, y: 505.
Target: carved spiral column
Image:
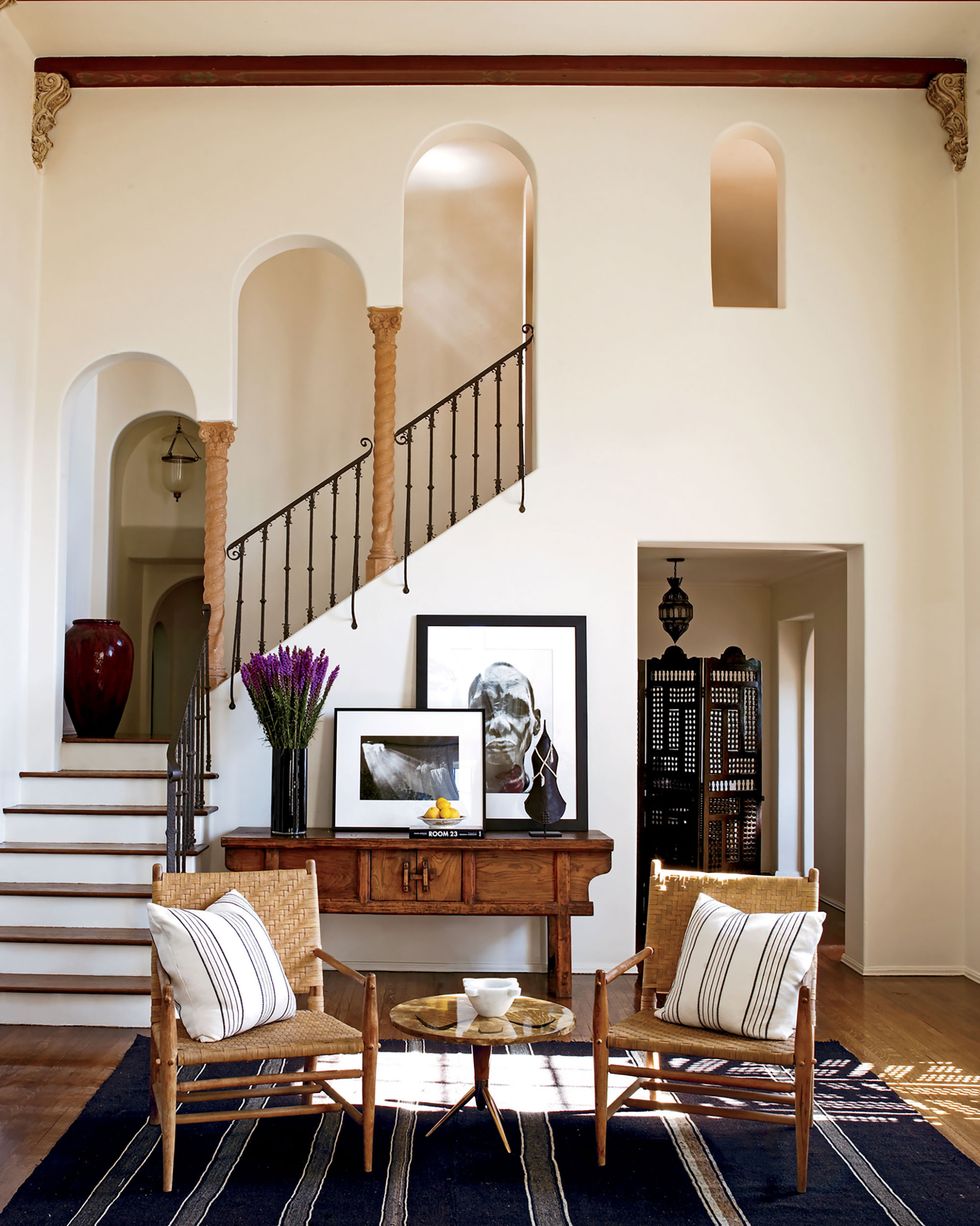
x: 385, y: 322
x: 217, y: 437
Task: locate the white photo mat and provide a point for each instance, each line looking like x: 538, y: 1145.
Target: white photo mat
x: 390, y: 766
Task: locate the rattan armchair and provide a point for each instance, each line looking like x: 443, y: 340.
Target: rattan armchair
x: 286, y: 901
x: 673, y: 894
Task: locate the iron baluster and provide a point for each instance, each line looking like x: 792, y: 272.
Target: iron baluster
x: 356, y: 570
x: 475, y: 501
x: 265, y: 547
x: 236, y: 651
x: 452, y: 457
x: 309, y: 567
x: 189, y: 759
x: 404, y: 437
x: 429, y: 530
x: 520, y: 425
x: 285, y: 601
x: 497, y: 376
x: 333, y: 544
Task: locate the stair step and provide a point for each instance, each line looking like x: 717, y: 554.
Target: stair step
x: 76, y: 889
x: 69, y: 904
x: 72, y: 739
x: 103, y: 810
x: 102, y: 774
x: 74, y: 936
x: 89, y: 985
x: 95, y: 849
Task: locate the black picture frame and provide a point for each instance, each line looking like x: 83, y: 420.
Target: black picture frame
x: 353, y: 809
x: 568, y: 726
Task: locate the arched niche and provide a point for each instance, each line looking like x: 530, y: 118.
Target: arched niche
x: 305, y: 376
x: 747, y: 174
x: 468, y: 259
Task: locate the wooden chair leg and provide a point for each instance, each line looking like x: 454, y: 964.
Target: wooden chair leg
x: 309, y: 1066
x: 804, y: 1120
x: 600, y: 1059
x: 651, y: 1060
x: 167, y: 1105
x: 369, y: 1075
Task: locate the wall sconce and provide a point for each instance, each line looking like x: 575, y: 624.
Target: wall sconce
x: 177, y: 463
x: 676, y: 611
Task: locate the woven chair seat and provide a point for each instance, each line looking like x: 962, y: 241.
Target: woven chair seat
x: 306, y: 1034
x: 644, y: 1031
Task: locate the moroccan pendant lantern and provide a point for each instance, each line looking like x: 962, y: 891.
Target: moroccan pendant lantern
x: 676, y: 611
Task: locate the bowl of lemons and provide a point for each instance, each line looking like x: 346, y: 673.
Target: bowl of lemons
x: 442, y: 813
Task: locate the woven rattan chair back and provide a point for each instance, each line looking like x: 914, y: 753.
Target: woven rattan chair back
x: 673, y: 893
x: 285, y: 900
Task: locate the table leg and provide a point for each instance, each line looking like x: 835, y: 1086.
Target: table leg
x: 479, y: 1091
x: 560, y: 956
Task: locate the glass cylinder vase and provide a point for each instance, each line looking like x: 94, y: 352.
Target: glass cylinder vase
x: 288, y: 792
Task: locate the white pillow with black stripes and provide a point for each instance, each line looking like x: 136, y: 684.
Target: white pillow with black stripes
x: 225, y: 971
x: 741, y: 973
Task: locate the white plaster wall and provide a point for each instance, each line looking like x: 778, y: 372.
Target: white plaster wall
x: 835, y: 419
x: 822, y: 595
x: 20, y: 204
x: 968, y: 222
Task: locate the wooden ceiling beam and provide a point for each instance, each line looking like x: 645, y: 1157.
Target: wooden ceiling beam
x: 195, y: 71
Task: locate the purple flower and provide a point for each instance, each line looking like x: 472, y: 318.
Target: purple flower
x: 288, y: 688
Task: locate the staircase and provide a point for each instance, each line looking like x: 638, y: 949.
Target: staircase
x: 74, y: 882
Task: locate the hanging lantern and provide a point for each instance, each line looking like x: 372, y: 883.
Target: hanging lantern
x: 676, y: 612
x: 177, y: 463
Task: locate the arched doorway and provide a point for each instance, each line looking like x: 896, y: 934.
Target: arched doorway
x: 174, y: 646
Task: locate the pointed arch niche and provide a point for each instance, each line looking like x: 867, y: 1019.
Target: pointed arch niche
x: 747, y: 256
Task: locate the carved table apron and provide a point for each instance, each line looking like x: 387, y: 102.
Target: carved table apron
x: 391, y: 874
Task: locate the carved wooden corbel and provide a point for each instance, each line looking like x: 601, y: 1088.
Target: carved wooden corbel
x: 947, y: 93
x: 51, y: 92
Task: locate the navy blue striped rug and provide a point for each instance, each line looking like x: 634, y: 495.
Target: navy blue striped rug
x: 873, y: 1159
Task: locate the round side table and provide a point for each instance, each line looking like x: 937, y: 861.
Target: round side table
x: 453, y: 1020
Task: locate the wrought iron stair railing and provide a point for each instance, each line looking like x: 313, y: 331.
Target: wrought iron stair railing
x: 464, y: 430
x: 189, y: 760
x: 456, y: 485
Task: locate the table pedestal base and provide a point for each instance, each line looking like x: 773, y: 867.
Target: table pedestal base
x: 479, y: 1091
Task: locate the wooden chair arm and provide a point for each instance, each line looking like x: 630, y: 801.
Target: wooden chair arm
x: 341, y: 966
x: 600, y: 1008
x: 623, y: 967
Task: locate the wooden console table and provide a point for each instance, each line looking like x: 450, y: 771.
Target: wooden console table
x: 390, y: 874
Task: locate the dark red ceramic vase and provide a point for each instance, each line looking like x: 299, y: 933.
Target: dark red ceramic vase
x: 98, y: 674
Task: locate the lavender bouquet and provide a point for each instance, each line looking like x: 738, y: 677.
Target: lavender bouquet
x: 288, y: 688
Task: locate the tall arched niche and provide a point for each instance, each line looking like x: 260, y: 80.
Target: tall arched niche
x: 747, y: 219
x: 304, y: 378
x: 468, y: 260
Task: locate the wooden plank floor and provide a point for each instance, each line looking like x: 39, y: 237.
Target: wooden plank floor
x: 922, y: 1035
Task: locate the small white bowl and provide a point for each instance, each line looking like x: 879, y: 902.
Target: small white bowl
x: 491, y: 997
x: 437, y: 823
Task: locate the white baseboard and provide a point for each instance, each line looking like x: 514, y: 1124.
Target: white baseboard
x: 939, y: 971
x: 831, y: 902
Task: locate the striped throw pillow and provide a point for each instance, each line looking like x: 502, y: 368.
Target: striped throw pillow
x: 225, y: 971
x: 741, y: 973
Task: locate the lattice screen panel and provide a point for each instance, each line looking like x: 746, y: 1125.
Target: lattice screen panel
x: 733, y: 763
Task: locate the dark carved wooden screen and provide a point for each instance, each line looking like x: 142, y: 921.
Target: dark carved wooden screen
x: 670, y: 804
x: 699, y: 785
x: 732, y: 763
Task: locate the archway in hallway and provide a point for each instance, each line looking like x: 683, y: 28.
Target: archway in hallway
x: 121, y: 522
x: 174, y: 646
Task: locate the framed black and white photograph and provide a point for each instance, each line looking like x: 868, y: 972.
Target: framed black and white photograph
x: 399, y: 770
x: 527, y: 675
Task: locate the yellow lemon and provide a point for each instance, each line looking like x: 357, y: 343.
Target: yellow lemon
x: 433, y: 812
x: 442, y: 802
